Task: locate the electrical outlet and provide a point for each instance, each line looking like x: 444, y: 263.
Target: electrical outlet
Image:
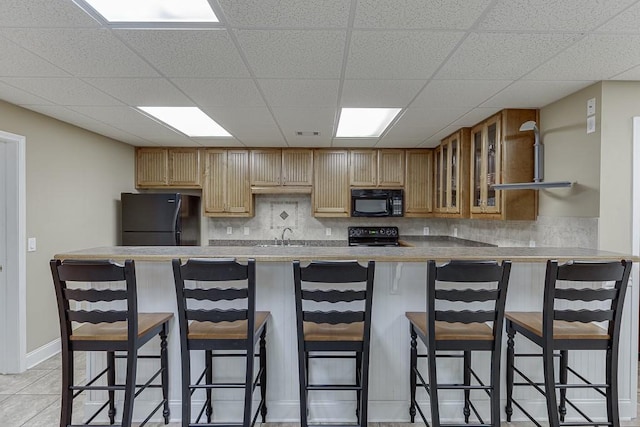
x: 31, y: 244
x: 532, y: 243
x: 455, y: 231
x: 425, y: 231
x: 229, y: 230
x: 327, y: 231
x: 247, y: 231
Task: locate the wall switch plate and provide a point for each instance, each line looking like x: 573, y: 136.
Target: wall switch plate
x: 246, y: 231
x: 327, y: 231
x: 532, y: 243
x: 455, y: 231
x: 425, y: 231
x: 591, y: 107
x: 591, y: 124
x: 229, y: 230
x: 31, y: 244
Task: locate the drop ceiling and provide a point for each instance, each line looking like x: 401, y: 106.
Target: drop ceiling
x: 275, y: 67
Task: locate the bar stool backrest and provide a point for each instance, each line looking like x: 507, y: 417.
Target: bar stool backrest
x: 211, y: 271
x: 583, y: 271
x: 495, y: 275
x: 334, y: 272
x: 93, y: 271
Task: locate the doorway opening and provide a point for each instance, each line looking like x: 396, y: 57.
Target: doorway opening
x: 13, y: 276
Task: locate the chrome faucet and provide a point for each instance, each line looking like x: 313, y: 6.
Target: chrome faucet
x: 283, y: 232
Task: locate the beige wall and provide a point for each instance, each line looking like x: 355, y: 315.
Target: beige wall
x: 620, y: 103
x: 74, y: 179
x: 571, y: 155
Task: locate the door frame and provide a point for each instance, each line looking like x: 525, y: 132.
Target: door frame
x: 13, y: 350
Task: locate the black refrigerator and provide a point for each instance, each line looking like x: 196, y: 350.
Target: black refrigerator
x: 160, y: 219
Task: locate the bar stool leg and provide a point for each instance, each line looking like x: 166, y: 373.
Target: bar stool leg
x: 412, y: 374
x: 186, y: 383
x: 511, y: 333
x: 111, y: 380
x: 208, y: 362
x: 263, y: 377
x: 358, y: 383
x: 130, y: 386
x: 164, y: 364
x: 67, y: 383
x: 549, y: 385
x: 364, y: 400
x: 495, y: 388
x: 467, y: 382
x: 433, y: 388
x: 303, y: 367
x: 563, y: 372
x: 248, y: 387
x: 612, y: 386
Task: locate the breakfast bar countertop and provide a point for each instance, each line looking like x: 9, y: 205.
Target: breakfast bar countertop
x: 360, y: 253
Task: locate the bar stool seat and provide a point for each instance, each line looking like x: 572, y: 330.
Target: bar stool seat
x: 451, y: 331
x: 117, y: 331
x: 562, y: 330
x: 236, y: 330
x: 327, y: 332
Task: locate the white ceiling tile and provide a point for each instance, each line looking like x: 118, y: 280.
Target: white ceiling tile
x: 398, y: 54
x: 458, y: 93
x: 534, y: 94
x: 354, y: 142
x: 292, y: 53
x: 62, y: 90
x: 82, y: 52
x: 293, y: 119
x: 44, y: 13
x: 596, y: 57
x: 116, y: 116
x: 300, y: 92
x: 625, y: 22
x: 17, y: 96
x: 550, y: 15
x: 422, y: 14
x: 250, y: 125
x: 379, y: 93
x: 502, y: 56
x: 226, y: 142
x: 221, y: 92
x: 475, y: 116
x: 16, y: 61
x: 631, y: 74
x: 435, y: 139
x: 141, y: 92
x: 188, y: 53
x: 286, y: 13
x: 420, y: 123
x: 399, y: 143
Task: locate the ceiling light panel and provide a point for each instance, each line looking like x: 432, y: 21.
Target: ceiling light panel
x: 364, y: 122
x: 189, y: 120
x: 115, y: 11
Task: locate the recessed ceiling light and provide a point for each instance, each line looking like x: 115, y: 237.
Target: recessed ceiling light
x: 189, y: 120
x: 153, y: 10
x: 364, y: 122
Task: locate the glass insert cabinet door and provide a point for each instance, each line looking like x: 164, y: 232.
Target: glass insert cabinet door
x: 485, y: 166
x: 447, y: 174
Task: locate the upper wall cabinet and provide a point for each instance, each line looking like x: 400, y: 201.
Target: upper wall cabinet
x: 451, y: 175
x: 417, y: 190
x: 281, y: 171
x: 330, y: 183
x: 227, y: 192
x: 376, y: 168
x: 168, y: 167
x: 500, y: 153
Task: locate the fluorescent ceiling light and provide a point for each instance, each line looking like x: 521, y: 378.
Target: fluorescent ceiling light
x: 364, y: 122
x: 154, y: 10
x: 189, y: 120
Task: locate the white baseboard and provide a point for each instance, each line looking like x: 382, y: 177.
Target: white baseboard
x: 41, y: 354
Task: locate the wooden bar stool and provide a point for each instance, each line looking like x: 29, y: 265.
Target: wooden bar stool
x: 207, y: 325
x: 464, y: 330
x: 557, y: 330
x: 331, y: 328
x: 116, y: 330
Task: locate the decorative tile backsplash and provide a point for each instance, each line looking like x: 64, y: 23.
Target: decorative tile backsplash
x: 273, y: 213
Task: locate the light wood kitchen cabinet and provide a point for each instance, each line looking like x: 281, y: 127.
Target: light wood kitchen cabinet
x: 500, y: 153
x: 168, y: 168
x: 417, y: 191
x: 451, y: 175
x: 227, y: 191
x: 281, y: 171
x: 376, y: 168
x: 331, y: 183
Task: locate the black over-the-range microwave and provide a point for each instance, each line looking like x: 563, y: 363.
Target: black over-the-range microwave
x: 377, y: 202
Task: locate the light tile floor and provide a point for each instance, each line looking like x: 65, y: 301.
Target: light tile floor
x: 32, y: 399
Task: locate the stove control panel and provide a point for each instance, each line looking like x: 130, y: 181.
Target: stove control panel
x: 373, y: 236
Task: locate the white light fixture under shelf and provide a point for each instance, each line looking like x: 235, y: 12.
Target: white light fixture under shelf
x: 538, y: 178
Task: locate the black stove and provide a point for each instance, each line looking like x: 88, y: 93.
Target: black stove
x: 373, y: 236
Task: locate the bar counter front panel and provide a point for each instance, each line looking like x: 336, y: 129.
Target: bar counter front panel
x: 399, y: 287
